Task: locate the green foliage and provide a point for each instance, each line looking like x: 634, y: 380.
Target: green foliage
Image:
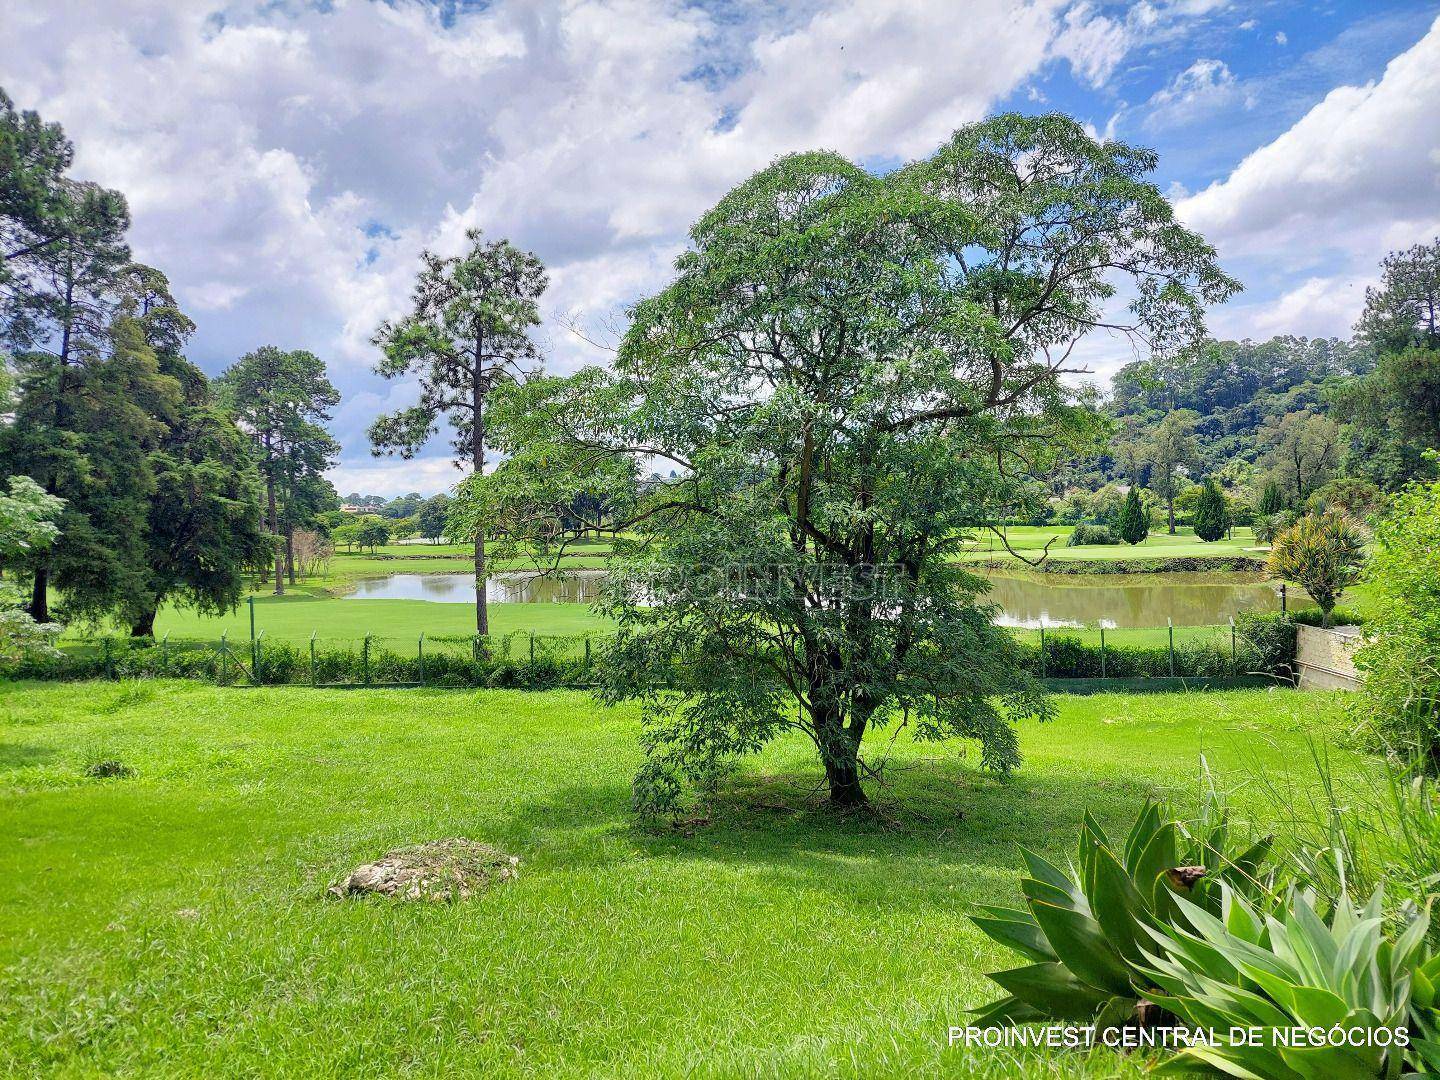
x: 1088, y: 928
x: 468, y: 333
x: 282, y: 400
x: 1404, y: 311
x: 1298, y: 968
x: 1322, y: 552
x: 1085, y: 535
x: 1211, y: 516
x: 1401, y: 653
x: 907, y: 346
x: 1272, y: 500
x: 27, y: 527
x: 1392, y: 417
x: 1272, y: 637
x: 1302, y: 453
x: 1134, y: 522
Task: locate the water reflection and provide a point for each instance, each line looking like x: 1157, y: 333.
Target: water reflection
x: 1120, y: 600
x: 575, y: 587
x: 1130, y: 600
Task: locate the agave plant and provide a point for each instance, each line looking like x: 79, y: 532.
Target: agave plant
x: 1295, y: 970
x: 1087, y: 927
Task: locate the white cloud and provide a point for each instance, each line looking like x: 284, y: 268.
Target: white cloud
x: 286, y: 162
x: 1356, y: 177
x: 1206, y: 85
x: 1281, y: 38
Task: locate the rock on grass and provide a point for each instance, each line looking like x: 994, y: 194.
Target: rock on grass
x: 440, y: 871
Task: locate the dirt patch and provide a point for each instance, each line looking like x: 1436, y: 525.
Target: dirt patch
x: 440, y: 871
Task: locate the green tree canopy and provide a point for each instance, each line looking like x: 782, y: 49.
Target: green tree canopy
x: 282, y: 400
x: 468, y: 332
x: 847, y: 374
x: 1323, y: 552
x: 1212, y: 517
x: 1133, y: 524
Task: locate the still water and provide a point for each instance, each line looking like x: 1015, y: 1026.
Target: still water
x: 1119, y: 600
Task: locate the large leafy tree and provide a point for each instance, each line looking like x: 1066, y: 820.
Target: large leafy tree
x: 1303, y: 454
x: 112, y: 405
x: 847, y: 374
x: 1170, y: 451
x: 467, y: 333
x: 282, y: 400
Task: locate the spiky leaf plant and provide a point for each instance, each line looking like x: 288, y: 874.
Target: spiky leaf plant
x: 1087, y: 927
x: 1295, y: 969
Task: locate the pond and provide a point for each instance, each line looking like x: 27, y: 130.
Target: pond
x: 1028, y: 600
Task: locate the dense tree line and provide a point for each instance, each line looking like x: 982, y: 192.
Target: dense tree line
x: 157, y: 481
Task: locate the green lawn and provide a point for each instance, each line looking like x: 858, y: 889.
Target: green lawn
x: 396, y: 624
x: 1030, y: 540
x: 173, y: 923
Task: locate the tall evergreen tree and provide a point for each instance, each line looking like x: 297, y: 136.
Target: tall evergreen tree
x: 1211, y: 516
x: 205, y: 530
x: 1272, y: 499
x: 282, y: 399
x: 1133, y: 523
x: 468, y: 332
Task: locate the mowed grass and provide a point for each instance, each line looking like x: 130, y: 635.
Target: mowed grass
x: 1030, y: 541
x: 174, y: 923
x: 396, y: 624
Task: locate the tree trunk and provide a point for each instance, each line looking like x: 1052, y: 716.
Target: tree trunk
x: 844, y: 779
x: 274, y: 516
x: 145, y: 625
x: 477, y: 452
x: 290, y: 554
x: 1171, y: 505
x: 39, y: 596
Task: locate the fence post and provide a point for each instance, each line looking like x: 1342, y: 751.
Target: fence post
x: 420, y: 656
x: 1234, y: 665
x: 1042, y: 648
x: 314, y: 679
x: 587, y: 652
x: 1284, y: 603
x: 1102, y: 651
x: 224, y: 657
x: 165, y: 653
x: 109, y: 660
x: 365, y: 659
x: 254, y: 641
x: 532, y: 646
x: 255, y: 659
x: 1171, y: 624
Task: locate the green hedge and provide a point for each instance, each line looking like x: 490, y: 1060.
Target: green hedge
x: 1264, y: 644
x: 1173, y: 565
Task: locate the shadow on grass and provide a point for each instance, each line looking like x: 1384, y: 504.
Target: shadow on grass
x: 21, y: 755
x: 929, y: 827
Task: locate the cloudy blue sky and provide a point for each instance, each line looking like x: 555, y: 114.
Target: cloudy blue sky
x: 287, y: 161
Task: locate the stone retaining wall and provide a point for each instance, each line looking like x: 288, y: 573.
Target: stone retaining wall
x: 1325, y: 657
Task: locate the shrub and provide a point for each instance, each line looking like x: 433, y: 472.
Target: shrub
x: 1271, y: 640
x: 1085, y: 535
x: 1298, y: 969
x: 1211, y: 518
x: 1323, y: 552
x: 1085, y: 928
x: 1399, y: 703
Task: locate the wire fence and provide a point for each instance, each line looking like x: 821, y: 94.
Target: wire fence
x: 534, y: 659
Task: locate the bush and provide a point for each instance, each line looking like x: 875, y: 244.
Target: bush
x: 1399, y: 705
x: 1270, y: 639
x: 1085, y: 535
x: 1324, y: 553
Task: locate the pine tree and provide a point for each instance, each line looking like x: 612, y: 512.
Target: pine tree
x: 1133, y: 523
x: 1272, y: 500
x: 1211, y: 516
